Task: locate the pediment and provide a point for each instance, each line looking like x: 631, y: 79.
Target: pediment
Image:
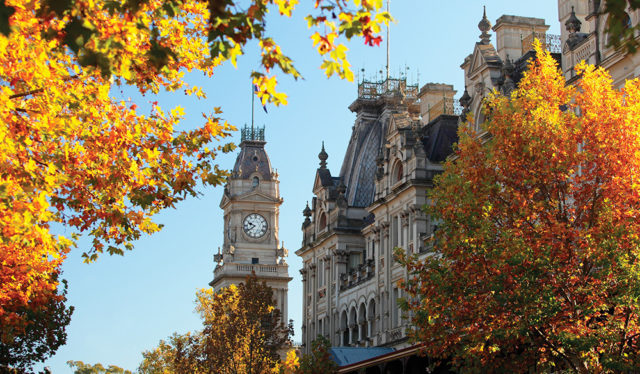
x: 225, y: 200
x: 323, y: 179
x: 477, y: 60
x: 317, y: 183
x: 484, y: 56
x: 393, y: 126
x: 256, y: 196
x: 253, y: 196
x: 398, y: 121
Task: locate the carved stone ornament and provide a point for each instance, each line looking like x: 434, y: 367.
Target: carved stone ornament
x: 327, y: 261
x: 341, y: 255
x: 479, y: 89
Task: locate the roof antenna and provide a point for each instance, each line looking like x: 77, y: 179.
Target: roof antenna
x: 388, y: 39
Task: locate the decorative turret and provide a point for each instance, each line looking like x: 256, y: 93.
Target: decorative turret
x: 507, y: 71
x: 573, y: 24
x: 465, y: 99
x: 306, y: 212
x: 323, y: 156
x: 484, y: 25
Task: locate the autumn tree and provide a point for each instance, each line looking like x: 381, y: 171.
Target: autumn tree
x: 618, y: 23
x: 43, y: 332
x: 242, y: 334
x: 536, y: 259
x: 82, y: 368
x: 318, y: 360
x: 74, y: 156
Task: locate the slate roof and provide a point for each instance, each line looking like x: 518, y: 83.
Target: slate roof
x: 350, y: 355
x: 359, y: 165
x: 489, y: 54
x: 439, y: 136
x: 325, y: 177
x: 252, y: 158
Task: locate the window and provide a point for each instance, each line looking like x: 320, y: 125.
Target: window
x: 255, y: 182
x: 323, y: 222
x: 255, y: 260
x: 394, y: 231
x: 398, y: 172
x: 395, y: 312
x: 626, y: 25
x: 321, y: 273
x: 355, y: 259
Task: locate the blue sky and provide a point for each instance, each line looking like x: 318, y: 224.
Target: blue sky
x: 125, y: 305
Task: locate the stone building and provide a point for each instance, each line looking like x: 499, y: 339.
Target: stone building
x: 251, y: 205
x: 401, y: 136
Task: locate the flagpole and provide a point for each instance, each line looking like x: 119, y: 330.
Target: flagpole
x: 253, y: 95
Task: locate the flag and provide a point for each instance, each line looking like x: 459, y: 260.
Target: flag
x: 255, y: 89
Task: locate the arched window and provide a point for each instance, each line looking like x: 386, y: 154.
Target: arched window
x: 323, y: 222
x: 255, y: 182
x: 398, y: 172
x: 626, y: 21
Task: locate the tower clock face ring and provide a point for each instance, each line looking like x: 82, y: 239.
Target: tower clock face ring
x: 254, y: 225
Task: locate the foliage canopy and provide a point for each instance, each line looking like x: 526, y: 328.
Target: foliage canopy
x: 242, y: 334
x: 72, y: 155
x: 536, y: 259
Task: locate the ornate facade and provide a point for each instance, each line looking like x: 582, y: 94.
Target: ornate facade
x: 400, y: 138
x: 251, y: 205
x: 373, y: 205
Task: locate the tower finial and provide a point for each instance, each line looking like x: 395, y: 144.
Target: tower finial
x: 484, y: 25
x: 323, y: 156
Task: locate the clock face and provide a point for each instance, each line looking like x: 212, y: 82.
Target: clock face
x: 254, y: 225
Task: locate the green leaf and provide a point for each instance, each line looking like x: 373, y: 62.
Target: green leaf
x: 77, y: 34
x: 5, y: 13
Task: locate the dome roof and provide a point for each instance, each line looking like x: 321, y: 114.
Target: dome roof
x: 252, y: 158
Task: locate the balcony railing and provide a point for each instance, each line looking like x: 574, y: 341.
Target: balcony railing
x: 550, y: 42
x: 447, y: 105
x: 395, y: 334
x: 252, y: 133
x: 244, y: 268
x: 373, y: 90
x: 356, y: 276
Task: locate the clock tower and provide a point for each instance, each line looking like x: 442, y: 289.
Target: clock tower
x: 251, y: 204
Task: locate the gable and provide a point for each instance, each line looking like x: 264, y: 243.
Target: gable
x: 323, y: 179
x: 476, y: 60
x: 484, y: 56
x: 251, y: 196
